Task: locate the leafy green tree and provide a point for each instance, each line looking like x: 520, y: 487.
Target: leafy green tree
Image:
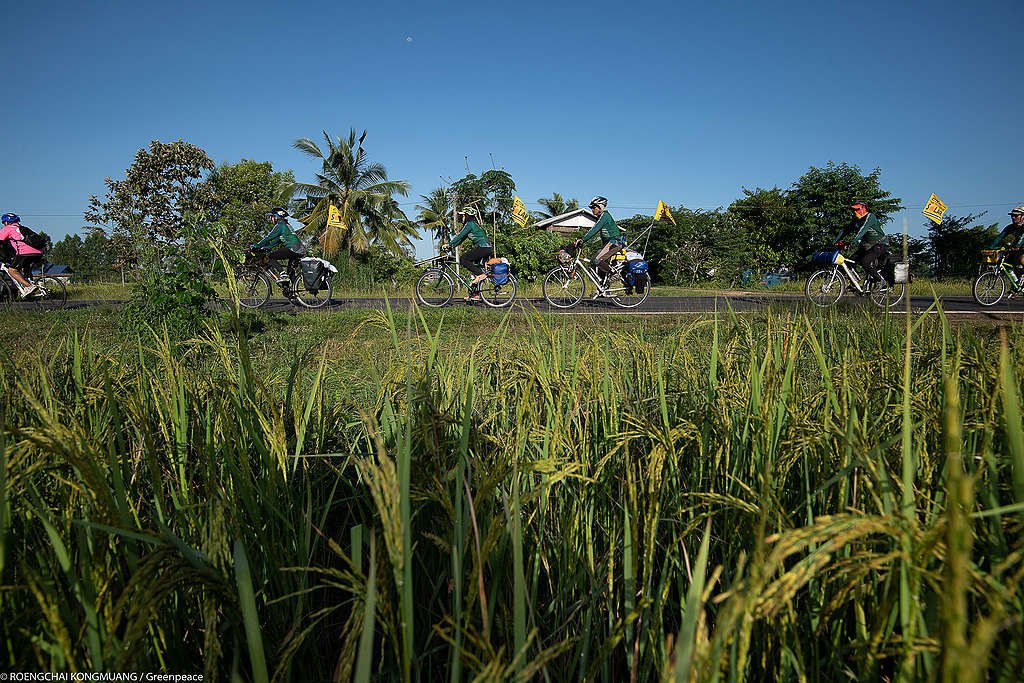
x: 245, y: 191
x: 492, y: 193
x: 683, y: 253
x: 435, y: 214
x: 828, y: 192
x: 532, y: 253
x: 67, y: 252
x: 556, y: 206
x: 957, y: 244
x: 361, y: 192
x: 778, y: 226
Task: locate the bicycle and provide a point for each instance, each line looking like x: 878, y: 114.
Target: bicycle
x: 565, y: 285
x: 50, y: 293
x: 990, y: 286
x: 256, y: 277
x: 826, y: 286
x: 436, y: 286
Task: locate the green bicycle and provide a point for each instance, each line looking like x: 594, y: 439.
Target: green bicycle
x: 436, y: 287
x: 996, y: 278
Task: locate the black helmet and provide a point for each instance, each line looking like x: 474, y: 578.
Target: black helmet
x: 277, y: 214
x: 599, y: 201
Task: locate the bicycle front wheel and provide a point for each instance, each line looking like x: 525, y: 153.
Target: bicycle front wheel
x: 498, y: 296
x: 990, y: 288
x: 435, y: 288
x: 564, y: 287
x: 50, y: 295
x: 624, y: 296
x: 253, y: 288
x: 825, y: 287
x: 885, y: 295
x: 311, y: 298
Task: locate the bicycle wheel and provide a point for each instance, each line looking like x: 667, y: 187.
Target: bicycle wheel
x: 630, y: 297
x: 825, y: 287
x: 990, y: 288
x: 253, y: 288
x: 50, y: 295
x: 435, y: 288
x: 564, y: 288
x: 311, y: 298
x: 498, y: 296
x: 7, y: 295
x: 885, y: 295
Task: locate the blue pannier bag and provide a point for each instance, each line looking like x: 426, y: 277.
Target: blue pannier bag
x: 499, y: 271
x: 825, y: 257
x: 636, y: 276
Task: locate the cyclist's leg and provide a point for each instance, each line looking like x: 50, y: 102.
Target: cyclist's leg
x: 603, y: 260
x: 21, y: 268
x: 278, y: 255
x: 472, y: 258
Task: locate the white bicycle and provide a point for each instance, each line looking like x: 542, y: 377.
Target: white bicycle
x: 566, y: 284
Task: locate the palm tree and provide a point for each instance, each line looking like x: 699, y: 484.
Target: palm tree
x: 361, y: 192
x: 556, y: 206
x: 436, y: 212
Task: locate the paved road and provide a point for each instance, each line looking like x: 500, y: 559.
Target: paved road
x: 665, y: 305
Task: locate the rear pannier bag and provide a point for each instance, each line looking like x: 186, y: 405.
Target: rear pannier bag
x: 316, y: 273
x: 635, y: 275
x: 499, y: 270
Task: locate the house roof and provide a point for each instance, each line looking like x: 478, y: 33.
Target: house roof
x: 569, y: 222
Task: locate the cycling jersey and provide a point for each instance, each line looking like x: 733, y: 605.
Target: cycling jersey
x: 870, y: 230
x: 474, y: 232
x: 282, y: 234
x: 608, y: 228
x: 12, y: 232
x: 1014, y: 232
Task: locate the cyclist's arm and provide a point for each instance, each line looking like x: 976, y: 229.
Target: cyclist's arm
x: 272, y: 238
x: 602, y: 222
x: 462, y: 235
x: 995, y: 243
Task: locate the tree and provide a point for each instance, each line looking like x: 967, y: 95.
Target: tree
x: 492, y: 193
x: 828, y: 192
x: 778, y: 225
x: 361, y: 192
x: 244, y: 192
x: 556, y: 206
x: 956, y: 244
x: 436, y: 213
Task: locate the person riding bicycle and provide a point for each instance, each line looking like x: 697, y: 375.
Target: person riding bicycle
x: 873, y: 241
x: 611, y: 237
x: 288, y: 245
x: 24, y: 256
x: 1012, y: 239
x: 481, y: 250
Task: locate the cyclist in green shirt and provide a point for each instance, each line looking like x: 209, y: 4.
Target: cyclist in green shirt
x: 282, y: 242
x: 873, y: 241
x: 481, y: 250
x: 1012, y: 238
x: 612, y: 238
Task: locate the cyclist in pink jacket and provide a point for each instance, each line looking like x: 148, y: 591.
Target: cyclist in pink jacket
x: 24, y: 256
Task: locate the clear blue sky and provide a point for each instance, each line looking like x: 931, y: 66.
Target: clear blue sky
x: 686, y: 102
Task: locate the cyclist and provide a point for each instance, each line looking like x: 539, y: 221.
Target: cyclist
x: 872, y: 239
x: 1012, y: 239
x: 283, y: 243
x: 24, y: 256
x: 611, y: 237
x: 481, y: 250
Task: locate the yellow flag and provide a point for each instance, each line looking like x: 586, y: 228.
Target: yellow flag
x: 663, y: 214
x: 934, y: 209
x: 334, y: 217
x: 519, y: 212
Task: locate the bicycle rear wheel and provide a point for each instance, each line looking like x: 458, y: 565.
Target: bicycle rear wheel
x: 311, y: 298
x: 50, y: 295
x: 990, y: 288
x: 498, y: 296
x: 564, y: 288
x: 435, y: 288
x: 253, y: 288
x: 825, y: 287
x: 630, y: 297
x: 885, y: 295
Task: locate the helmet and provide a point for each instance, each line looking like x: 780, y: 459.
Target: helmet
x: 277, y: 214
x: 856, y: 203
x: 10, y: 218
x: 468, y: 211
x: 1016, y: 212
x: 599, y: 201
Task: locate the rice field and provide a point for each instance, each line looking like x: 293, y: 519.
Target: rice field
x: 458, y: 495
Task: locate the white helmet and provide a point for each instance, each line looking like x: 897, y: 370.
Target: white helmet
x: 599, y: 201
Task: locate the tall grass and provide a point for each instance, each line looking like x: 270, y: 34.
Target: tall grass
x: 734, y: 500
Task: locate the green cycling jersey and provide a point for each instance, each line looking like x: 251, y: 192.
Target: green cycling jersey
x: 473, y: 231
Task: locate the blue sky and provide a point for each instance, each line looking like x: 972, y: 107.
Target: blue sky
x: 686, y: 102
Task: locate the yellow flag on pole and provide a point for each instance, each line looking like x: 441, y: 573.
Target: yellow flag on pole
x: 334, y: 218
x: 934, y: 209
x: 663, y: 214
x: 519, y: 213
